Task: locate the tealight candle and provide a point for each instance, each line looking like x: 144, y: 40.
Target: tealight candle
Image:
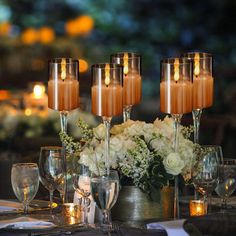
x: 197, y: 207
x: 71, y: 213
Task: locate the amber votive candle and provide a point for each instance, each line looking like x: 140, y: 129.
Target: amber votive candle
x: 71, y: 213
x: 197, y: 207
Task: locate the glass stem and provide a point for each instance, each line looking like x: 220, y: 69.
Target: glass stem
x: 25, y: 208
x: 64, y: 121
x: 196, y: 123
x: 107, y: 124
x: 177, y: 121
x: 106, y: 218
x: 51, y: 200
x: 126, y: 112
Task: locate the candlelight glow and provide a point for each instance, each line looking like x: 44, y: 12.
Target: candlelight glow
x: 196, y: 64
x: 83, y: 65
x: 126, y: 69
x: 29, y: 36
x: 46, y: 35
x: 107, y: 74
x: 28, y: 112
x: 176, y: 70
x: 38, y: 90
x: 63, y: 69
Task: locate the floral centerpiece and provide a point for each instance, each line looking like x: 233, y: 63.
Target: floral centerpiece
x: 139, y: 150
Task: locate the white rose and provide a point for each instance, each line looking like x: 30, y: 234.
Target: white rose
x: 173, y: 163
x: 99, y: 131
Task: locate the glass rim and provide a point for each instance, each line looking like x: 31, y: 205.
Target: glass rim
x: 28, y: 164
x: 171, y: 60
x: 58, y: 60
x: 202, y: 55
x: 131, y: 55
x: 51, y: 148
x: 103, y: 65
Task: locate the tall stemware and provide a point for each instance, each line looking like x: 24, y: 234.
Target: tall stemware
x: 132, y: 86
x: 25, y: 182
x: 203, y: 86
x: 63, y: 93
x: 176, y: 99
x: 107, y: 79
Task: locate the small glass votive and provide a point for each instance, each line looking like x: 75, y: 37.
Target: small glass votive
x: 71, y: 213
x: 197, y: 208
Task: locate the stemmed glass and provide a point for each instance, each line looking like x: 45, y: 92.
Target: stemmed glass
x: 63, y: 93
x: 203, y: 84
x: 132, y: 86
x: 205, y: 172
x: 107, y: 99
x: 176, y: 99
x: 81, y: 184
x: 227, y: 181
x: 51, y: 168
x: 105, y: 191
x: 25, y: 182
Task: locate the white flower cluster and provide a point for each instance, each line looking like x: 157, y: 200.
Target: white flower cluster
x: 156, y: 138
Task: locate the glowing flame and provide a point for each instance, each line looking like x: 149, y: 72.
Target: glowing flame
x: 176, y: 70
x: 126, y: 68
x: 63, y: 68
x: 196, y: 64
x: 107, y: 75
x: 28, y: 112
x: 38, y: 90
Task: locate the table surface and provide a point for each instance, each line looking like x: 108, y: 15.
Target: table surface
x: 212, y: 224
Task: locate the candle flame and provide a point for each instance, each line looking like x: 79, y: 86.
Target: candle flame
x: 38, y: 90
x: 126, y: 68
x: 176, y: 70
x: 196, y: 64
x: 107, y: 75
x: 63, y: 69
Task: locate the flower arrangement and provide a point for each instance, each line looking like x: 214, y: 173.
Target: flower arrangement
x: 139, y: 150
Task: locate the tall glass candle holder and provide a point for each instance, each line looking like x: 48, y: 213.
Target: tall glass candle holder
x: 107, y: 99
x: 132, y: 86
x: 203, y: 86
x: 176, y: 99
x: 63, y: 93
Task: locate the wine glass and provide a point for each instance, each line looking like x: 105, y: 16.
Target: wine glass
x: 132, y: 86
x: 105, y: 191
x: 205, y: 172
x: 107, y: 79
x: 81, y: 184
x: 25, y: 182
x: 227, y: 181
x: 51, y: 168
x: 176, y: 99
x: 63, y: 93
x: 203, y: 86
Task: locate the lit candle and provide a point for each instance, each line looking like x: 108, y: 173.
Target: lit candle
x: 197, y: 208
x: 63, y: 92
x: 202, y: 86
x: 107, y: 97
x: 71, y: 213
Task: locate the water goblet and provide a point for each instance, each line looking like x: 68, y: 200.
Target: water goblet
x: 176, y: 99
x: 105, y: 191
x: 25, y: 182
x: 63, y: 94
x: 227, y: 181
x: 81, y: 184
x: 107, y: 80
x: 51, y: 168
x: 205, y: 172
x: 132, y: 85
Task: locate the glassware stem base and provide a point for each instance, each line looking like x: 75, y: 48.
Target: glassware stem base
x: 196, y: 123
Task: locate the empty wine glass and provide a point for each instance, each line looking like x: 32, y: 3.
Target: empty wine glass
x: 206, y: 172
x: 105, y: 191
x: 81, y: 184
x: 51, y: 168
x: 227, y: 181
x: 25, y: 182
